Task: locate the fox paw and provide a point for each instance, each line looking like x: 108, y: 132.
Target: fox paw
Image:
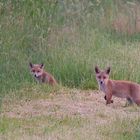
x: 106, y: 99
x: 109, y: 102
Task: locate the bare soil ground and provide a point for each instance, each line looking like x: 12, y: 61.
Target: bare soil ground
x: 76, y: 102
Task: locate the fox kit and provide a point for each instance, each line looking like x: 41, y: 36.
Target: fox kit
x: 42, y: 76
x: 118, y: 88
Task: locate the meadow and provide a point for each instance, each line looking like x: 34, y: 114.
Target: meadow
x: 70, y: 38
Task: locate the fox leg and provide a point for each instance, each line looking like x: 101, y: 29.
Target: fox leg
x: 108, y: 98
x: 105, y: 99
x: 130, y: 101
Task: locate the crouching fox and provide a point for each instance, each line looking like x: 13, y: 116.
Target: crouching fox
x: 42, y: 76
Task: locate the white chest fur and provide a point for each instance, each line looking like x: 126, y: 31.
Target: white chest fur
x: 102, y: 88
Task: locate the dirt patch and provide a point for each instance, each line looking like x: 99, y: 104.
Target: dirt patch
x: 83, y: 103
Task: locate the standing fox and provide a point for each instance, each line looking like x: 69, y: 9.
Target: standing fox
x: 42, y: 76
x: 118, y: 88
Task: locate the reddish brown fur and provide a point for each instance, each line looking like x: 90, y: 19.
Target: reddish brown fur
x: 50, y: 79
x: 41, y: 75
x: 118, y: 88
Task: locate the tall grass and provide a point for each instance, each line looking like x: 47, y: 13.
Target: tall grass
x: 69, y: 37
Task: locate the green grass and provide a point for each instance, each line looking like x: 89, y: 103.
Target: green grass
x: 70, y: 38
x: 68, y: 128
x: 66, y: 39
x: 122, y: 129
x: 44, y: 126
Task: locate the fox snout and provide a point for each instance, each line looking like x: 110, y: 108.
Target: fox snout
x: 101, y: 82
x: 37, y: 74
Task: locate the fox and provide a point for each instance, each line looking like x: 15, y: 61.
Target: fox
x: 119, y: 88
x: 41, y: 75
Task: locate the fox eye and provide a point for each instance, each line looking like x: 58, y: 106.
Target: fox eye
x: 33, y: 70
x: 104, y: 77
x: 38, y: 71
x: 99, y: 77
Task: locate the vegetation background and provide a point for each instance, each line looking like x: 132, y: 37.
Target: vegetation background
x: 70, y: 37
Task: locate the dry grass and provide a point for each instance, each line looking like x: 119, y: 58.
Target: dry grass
x: 68, y: 114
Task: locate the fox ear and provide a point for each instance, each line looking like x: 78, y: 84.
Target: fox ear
x: 31, y: 65
x: 97, y: 70
x: 108, y: 70
x: 42, y: 65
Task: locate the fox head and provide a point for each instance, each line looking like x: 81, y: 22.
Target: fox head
x: 36, y: 69
x: 102, y: 76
